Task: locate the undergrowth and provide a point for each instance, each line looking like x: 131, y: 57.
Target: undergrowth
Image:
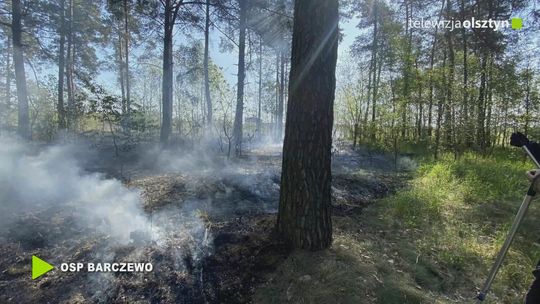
x: 433, y: 241
x: 457, y: 213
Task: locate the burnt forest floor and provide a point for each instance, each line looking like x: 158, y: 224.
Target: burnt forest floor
x: 211, y: 236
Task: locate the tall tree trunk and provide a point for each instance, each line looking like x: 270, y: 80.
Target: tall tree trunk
x: 431, y: 64
x: 466, y: 122
x: 120, y: 62
x: 505, y: 120
x: 407, y: 72
x: 368, y: 102
x: 69, y: 69
x: 481, y: 104
x: 377, y: 80
x: 206, y: 71
x: 374, y: 58
x: 239, y: 117
x: 527, y: 101
x: 482, y: 92
x: 440, y: 112
x: 448, y: 121
x: 126, y: 67
x: 277, y: 97
x: 8, y: 73
x: 23, y: 127
x: 260, y: 87
x: 489, y: 101
x: 304, y: 217
x: 61, y: 68
x: 420, y: 103
x: 279, y: 133
x: 167, y: 81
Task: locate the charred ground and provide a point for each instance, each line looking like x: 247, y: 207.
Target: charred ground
x: 212, y: 238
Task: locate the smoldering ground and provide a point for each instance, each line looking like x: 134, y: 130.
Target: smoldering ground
x: 203, y: 221
x: 59, y: 204
x: 51, y: 179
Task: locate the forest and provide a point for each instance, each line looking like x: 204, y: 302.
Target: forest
x: 267, y: 151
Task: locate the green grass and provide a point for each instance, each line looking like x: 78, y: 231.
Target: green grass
x: 431, y: 242
x: 459, y: 212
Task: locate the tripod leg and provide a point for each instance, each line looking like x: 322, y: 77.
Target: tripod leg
x: 504, y: 249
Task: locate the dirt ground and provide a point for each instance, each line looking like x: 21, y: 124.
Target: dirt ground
x: 214, y: 240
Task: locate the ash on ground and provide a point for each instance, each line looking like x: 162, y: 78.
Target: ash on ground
x: 210, y: 237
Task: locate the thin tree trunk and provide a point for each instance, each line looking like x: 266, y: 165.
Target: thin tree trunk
x: 260, y: 88
x: 449, y: 82
x: 275, y: 112
x: 481, y: 106
x: 407, y: 72
x: 440, y: 112
x: 420, y: 104
x: 467, y: 125
x: 206, y: 68
x: 239, y: 116
x: 431, y: 64
x: 374, y: 58
x: 527, y: 101
x: 279, y: 134
x: 368, y: 102
x: 126, y: 55
x: 69, y: 69
x: 120, y: 62
x: 61, y: 68
x: 304, y: 217
x: 167, y: 81
x: 374, y: 102
x: 8, y: 73
x: 23, y: 127
x: 489, y: 101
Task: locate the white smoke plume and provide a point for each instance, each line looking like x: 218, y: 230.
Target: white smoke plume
x: 52, y: 177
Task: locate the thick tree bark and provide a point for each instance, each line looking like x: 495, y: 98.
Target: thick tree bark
x: 206, y: 71
x: 23, y: 127
x: 167, y: 81
x: 239, y: 116
x: 61, y: 68
x: 304, y: 217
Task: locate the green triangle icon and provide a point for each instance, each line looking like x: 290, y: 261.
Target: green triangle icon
x: 39, y: 267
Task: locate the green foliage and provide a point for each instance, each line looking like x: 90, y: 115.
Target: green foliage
x: 458, y: 212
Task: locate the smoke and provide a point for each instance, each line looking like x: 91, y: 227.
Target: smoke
x: 54, y: 204
x: 52, y: 179
x: 222, y: 186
